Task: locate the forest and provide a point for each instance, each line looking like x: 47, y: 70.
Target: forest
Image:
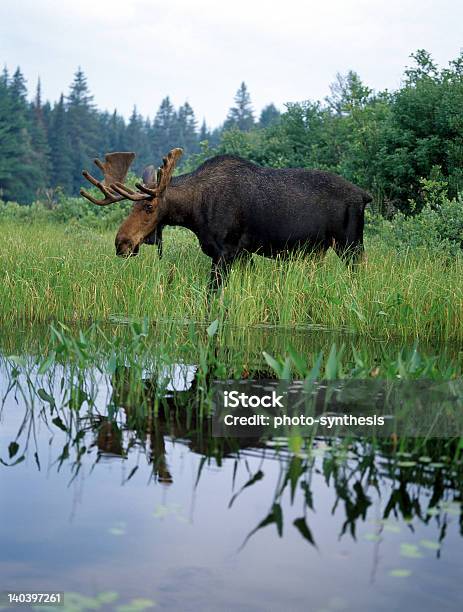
x: 400, y: 145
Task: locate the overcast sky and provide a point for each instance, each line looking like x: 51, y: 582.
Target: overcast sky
x: 138, y: 51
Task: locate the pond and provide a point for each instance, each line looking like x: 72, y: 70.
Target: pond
x: 127, y: 512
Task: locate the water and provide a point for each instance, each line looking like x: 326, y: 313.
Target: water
x: 137, y: 513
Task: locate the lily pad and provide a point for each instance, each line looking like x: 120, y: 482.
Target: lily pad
x: 400, y: 573
x: 410, y: 550
x: 430, y: 544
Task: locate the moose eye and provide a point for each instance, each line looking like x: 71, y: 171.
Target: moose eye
x: 148, y: 207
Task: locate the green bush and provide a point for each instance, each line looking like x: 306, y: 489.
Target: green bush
x: 438, y: 226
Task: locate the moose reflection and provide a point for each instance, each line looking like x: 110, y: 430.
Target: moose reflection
x: 422, y: 484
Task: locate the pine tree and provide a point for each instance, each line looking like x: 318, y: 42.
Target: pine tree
x: 204, y: 133
x: 8, y: 143
x: 269, y: 116
x: 41, y: 150
x: 188, y: 129
x: 60, y: 148
x: 136, y: 139
x: 241, y: 116
x: 23, y: 177
x: 116, y: 132
x: 165, y: 131
x: 83, y: 129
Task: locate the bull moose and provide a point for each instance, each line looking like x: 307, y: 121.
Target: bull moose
x: 236, y: 208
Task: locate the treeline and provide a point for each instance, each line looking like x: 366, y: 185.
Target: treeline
x: 386, y: 142
x: 45, y: 146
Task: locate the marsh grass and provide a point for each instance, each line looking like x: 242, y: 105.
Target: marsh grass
x: 70, y: 273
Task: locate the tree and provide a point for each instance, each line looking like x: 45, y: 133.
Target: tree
x: 269, y: 116
x: 22, y: 170
x: 188, y: 129
x: 82, y: 125
x: 347, y: 92
x: 60, y: 148
x: 165, y: 131
x: 8, y: 143
x: 136, y: 139
x: 241, y: 116
x: 39, y: 135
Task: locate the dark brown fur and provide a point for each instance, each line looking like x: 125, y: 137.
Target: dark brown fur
x: 236, y: 208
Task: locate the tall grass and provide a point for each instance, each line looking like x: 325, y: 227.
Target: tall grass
x: 70, y: 273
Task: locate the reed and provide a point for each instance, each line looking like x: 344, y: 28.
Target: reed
x: 70, y: 273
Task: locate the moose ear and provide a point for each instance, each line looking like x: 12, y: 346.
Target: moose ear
x: 149, y: 176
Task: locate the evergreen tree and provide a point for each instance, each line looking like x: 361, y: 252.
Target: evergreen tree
x: 269, y: 116
x: 204, y: 133
x: 41, y: 150
x: 8, y: 144
x: 136, y: 140
x: 83, y: 129
x: 188, y: 129
x: 116, y: 132
x: 165, y: 131
x: 241, y: 116
x: 23, y: 178
x: 60, y: 148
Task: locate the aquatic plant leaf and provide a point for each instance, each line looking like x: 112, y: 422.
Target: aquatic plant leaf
x: 200, y: 469
x: 59, y: 423
x: 212, y: 329
x: 410, y: 550
x: 132, y: 472
x: 107, y: 597
x: 275, y: 516
x: 137, y: 605
x: 19, y: 460
x: 46, y: 397
x: 75, y: 602
x: 13, y: 448
x: 116, y: 531
x: 112, y: 364
x: 273, y: 363
x: 314, y: 372
x: 400, y: 573
x: 372, y: 537
x: 301, y: 526
x: 430, y: 544
x: 46, y: 363
x: 392, y: 528
x: 257, y: 476
x: 406, y: 464
x: 17, y: 360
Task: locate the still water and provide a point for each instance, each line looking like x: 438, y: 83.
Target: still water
x: 127, y: 516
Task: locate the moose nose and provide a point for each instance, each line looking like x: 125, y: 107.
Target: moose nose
x: 124, y: 248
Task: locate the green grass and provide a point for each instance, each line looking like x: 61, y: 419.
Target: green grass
x: 70, y: 273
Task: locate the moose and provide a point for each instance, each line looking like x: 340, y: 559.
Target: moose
x: 235, y: 208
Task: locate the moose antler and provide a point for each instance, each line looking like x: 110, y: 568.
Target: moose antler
x: 114, y: 168
x: 152, y: 188
x: 167, y: 169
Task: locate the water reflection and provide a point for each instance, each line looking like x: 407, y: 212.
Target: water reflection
x: 128, y: 471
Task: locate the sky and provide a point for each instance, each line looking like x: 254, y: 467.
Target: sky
x: 137, y: 52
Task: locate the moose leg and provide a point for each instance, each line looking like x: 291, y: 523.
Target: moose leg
x: 350, y: 247
x: 351, y: 254
x: 158, y: 241
x: 220, y: 269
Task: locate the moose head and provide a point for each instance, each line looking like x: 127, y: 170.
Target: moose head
x: 140, y: 226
